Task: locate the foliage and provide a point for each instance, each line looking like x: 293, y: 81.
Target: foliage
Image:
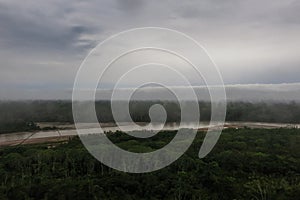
x: 14, y: 115
x: 245, y: 164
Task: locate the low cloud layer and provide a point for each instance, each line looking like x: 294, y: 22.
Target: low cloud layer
x: 245, y: 92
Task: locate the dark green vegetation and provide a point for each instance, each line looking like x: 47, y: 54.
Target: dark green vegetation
x: 18, y: 115
x: 245, y: 164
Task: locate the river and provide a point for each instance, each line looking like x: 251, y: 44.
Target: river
x: 22, y: 137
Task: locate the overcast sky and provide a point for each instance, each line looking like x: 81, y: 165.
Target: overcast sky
x: 42, y: 43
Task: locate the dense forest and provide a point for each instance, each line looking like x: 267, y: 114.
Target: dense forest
x: 245, y: 164
x: 22, y: 115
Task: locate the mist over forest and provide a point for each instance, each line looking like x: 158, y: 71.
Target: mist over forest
x: 277, y: 103
x: 22, y: 115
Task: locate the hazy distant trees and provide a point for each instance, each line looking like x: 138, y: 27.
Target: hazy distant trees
x: 16, y: 115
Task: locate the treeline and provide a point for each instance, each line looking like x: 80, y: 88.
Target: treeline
x: 245, y: 164
x: 16, y: 115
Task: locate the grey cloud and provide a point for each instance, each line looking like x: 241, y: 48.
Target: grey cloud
x: 44, y: 42
x: 242, y: 92
x: 36, y: 29
x: 130, y: 5
x: 234, y: 11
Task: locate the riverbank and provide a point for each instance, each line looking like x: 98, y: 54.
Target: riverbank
x: 67, y: 131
